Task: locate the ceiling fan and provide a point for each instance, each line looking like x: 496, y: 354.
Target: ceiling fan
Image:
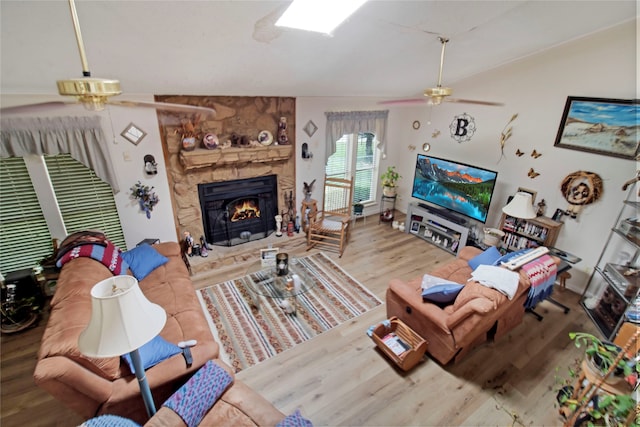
x: 436, y: 95
x: 95, y: 93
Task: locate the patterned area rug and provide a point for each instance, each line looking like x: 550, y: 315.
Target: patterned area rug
x: 248, y: 335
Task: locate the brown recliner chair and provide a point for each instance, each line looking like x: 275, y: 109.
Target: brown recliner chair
x: 478, y: 313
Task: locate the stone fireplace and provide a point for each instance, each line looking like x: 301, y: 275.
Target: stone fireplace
x: 189, y: 172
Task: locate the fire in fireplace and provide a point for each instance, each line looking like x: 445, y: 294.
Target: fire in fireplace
x: 244, y: 209
x: 239, y: 211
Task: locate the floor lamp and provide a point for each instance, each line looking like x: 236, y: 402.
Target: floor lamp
x: 122, y: 320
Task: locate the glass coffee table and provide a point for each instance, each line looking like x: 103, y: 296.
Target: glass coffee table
x: 265, y: 282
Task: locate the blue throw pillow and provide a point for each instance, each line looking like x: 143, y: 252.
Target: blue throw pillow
x: 442, y: 294
x: 295, y: 420
x: 143, y: 260
x: 488, y: 257
x: 153, y: 352
x: 109, y: 420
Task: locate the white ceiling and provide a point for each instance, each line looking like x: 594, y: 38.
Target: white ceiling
x: 386, y: 49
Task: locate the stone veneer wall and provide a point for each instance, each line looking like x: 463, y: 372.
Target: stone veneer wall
x: 242, y: 116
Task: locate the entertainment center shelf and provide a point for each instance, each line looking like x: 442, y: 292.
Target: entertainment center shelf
x: 432, y: 227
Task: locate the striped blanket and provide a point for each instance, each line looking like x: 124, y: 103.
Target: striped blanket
x: 542, y: 275
x: 93, y: 246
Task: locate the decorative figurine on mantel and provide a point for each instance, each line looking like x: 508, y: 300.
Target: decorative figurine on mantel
x: 188, y: 243
x: 278, y: 225
x: 283, y: 139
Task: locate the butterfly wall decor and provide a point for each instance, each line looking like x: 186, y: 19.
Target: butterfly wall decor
x: 519, y: 153
x: 532, y: 173
x: 535, y: 154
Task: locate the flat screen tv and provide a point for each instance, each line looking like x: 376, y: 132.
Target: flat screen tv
x: 458, y: 187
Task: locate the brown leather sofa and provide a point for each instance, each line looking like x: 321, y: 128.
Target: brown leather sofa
x: 478, y: 313
x: 92, y: 386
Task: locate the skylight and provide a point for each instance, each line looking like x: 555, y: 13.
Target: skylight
x: 321, y: 16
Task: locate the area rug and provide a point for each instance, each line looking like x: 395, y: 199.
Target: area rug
x: 248, y: 335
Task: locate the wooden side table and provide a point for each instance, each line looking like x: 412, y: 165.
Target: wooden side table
x: 308, y: 210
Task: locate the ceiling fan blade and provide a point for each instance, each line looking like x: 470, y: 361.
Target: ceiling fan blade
x: 208, y: 113
x: 405, y: 101
x: 34, y: 108
x: 472, y: 101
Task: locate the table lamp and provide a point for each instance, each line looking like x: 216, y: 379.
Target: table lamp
x: 520, y: 206
x: 122, y: 320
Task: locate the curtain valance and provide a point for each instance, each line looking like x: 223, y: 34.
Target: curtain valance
x: 350, y: 122
x: 81, y: 137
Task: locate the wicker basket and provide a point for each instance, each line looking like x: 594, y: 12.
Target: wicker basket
x: 409, y: 358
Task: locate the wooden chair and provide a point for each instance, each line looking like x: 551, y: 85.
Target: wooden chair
x: 331, y: 225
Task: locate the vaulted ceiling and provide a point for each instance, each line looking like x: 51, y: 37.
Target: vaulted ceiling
x: 386, y: 49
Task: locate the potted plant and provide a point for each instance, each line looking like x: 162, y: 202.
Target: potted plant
x: 601, y: 355
x: 358, y: 208
x: 389, y: 181
x: 599, y: 407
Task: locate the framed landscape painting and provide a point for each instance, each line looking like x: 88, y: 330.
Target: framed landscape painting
x: 601, y: 126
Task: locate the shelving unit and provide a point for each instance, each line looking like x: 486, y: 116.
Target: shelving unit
x: 528, y: 233
x: 435, y: 229
x: 612, y: 286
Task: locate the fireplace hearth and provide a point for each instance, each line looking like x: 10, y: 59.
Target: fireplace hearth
x: 239, y: 211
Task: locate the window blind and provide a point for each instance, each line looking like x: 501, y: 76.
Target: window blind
x: 86, y: 202
x: 356, y: 156
x: 24, y: 236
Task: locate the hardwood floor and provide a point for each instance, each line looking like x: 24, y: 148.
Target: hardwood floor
x: 340, y: 378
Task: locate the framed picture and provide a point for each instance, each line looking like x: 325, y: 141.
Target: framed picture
x: 601, y: 126
x: 415, y: 227
x: 133, y: 134
x: 557, y: 216
x: 268, y: 257
x: 310, y: 128
x: 526, y: 190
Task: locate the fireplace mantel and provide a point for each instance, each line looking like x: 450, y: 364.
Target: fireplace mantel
x: 202, y: 158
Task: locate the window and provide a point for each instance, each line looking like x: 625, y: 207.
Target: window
x: 24, y: 235
x: 356, y: 156
x: 84, y: 202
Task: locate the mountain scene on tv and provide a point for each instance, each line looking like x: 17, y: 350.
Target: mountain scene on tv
x: 461, y: 188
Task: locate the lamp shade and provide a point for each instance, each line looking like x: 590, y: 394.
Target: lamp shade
x: 521, y: 206
x: 122, y: 318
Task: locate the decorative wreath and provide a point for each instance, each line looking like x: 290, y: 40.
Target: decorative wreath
x: 582, y: 188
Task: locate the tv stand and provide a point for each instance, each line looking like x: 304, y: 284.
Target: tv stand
x: 430, y: 225
x: 443, y: 213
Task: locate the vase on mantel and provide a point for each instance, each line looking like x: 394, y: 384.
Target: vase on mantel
x: 189, y: 143
x: 283, y: 138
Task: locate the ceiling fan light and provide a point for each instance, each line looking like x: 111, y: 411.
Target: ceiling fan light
x: 439, y: 91
x: 93, y: 103
x: 91, y: 92
x: 89, y: 86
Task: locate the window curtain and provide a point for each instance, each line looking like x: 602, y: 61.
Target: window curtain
x: 350, y: 122
x: 80, y: 137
